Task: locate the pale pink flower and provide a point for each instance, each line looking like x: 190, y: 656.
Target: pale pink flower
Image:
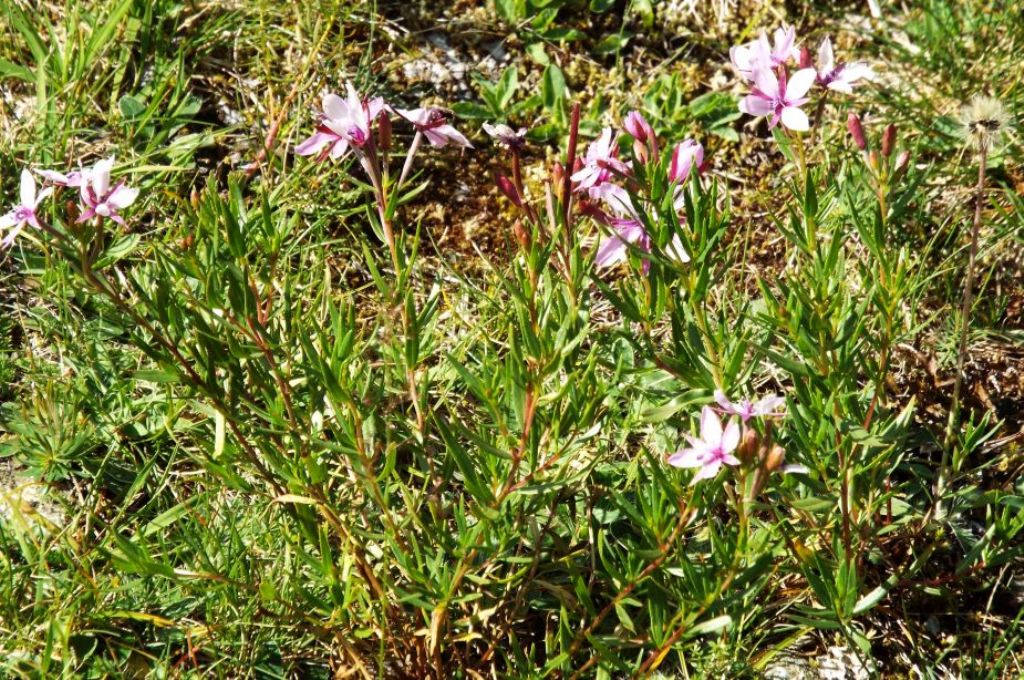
x: 434, y: 125
x: 599, y: 164
x: 781, y: 99
x: 24, y: 213
x: 761, y: 54
x: 769, y: 406
x: 344, y: 124
x: 839, y: 77
x: 628, y: 230
x: 712, y: 449
x: 503, y: 134
x: 686, y: 156
x: 72, y: 179
x: 99, y: 198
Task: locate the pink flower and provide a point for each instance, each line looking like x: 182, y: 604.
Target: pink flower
x: 72, y: 179
x: 599, y: 164
x: 638, y: 127
x: 98, y: 198
x: 434, y: 125
x: 780, y: 99
x: 24, y: 212
x: 344, y: 124
x: 513, y: 139
x: 712, y: 450
x: 687, y: 155
x: 767, y: 406
x: 839, y: 77
x: 628, y: 231
x: 760, y: 54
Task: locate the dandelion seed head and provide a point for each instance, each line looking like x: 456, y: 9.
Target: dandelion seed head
x: 984, y: 120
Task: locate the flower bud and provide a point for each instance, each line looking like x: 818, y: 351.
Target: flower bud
x: 521, y: 235
x: 509, y: 189
x: 638, y: 127
x: 557, y: 173
x: 888, y: 140
x: 857, y: 131
x: 384, y: 126
x: 805, y: 57
x: 873, y: 160
x: 640, y: 151
x: 748, y: 446
x: 773, y: 461
x: 903, y: 161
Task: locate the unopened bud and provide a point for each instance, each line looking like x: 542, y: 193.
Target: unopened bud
x: 638, y: 127
x: 805, y: 57
x: 888, y: 140
x: 773, y: 461
x: 873, y: 160
x: 521, y: 234
x: 903, y: 161
x: 857, y: 131
x: 384, y: 126
x: 509, y: 189
x: 640, y: 151
x: 748, y: 446
x: 557, y: 173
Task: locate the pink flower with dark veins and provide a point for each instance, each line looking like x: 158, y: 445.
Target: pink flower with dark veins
x: 99, y: 199
x: 24, y: 213
x: 599, y: 164
x: 768, y: 406
x: 434, y: 125
x: 344, y: 125
x: 780, y: 98
x: 713, y: 449
x: 839, y: 77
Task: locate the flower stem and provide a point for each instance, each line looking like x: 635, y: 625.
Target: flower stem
x: 965, y: 326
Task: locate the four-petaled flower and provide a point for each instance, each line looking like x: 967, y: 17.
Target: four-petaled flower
x: 839, y: 77
x: 746, y: 409
x: 628, y: 230
x: 760, y: 54
x: 781, y: 99
x: 712, y: 450
x: 344, y: 124
x: 98, y: 198
x: 599, y: 164
x: 513, y: 139
x: 25, y: 212
x: 434, y: 125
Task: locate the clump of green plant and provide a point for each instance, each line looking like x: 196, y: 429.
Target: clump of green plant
x: 617, y: 455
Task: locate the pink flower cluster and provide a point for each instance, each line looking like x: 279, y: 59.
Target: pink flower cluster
x: 603, y: 176
x: 100, y: 199
x: 776, y: 92
x: 347, y: 124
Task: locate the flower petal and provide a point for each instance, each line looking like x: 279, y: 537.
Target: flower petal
x: 612, y: 251
x: 795, y: 119
x: 313, y: 144
x: 707, y: 472
x: 335, y: 107
x: 731, y: 438
x: 800, y: 83
x: 122, y: 196
x: 28, y: 189
x: 710, y: 426
x: 826, y: 58
x: 687, y: 458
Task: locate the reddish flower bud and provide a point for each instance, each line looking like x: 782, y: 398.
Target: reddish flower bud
x: 509, y: 189
x: 805, y: 57
x: 888, y: 140
x: 857, y: 131
x: 748, y: 446
x: 638, y: 127
x: 903, y: 161
x: 521, y: 234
